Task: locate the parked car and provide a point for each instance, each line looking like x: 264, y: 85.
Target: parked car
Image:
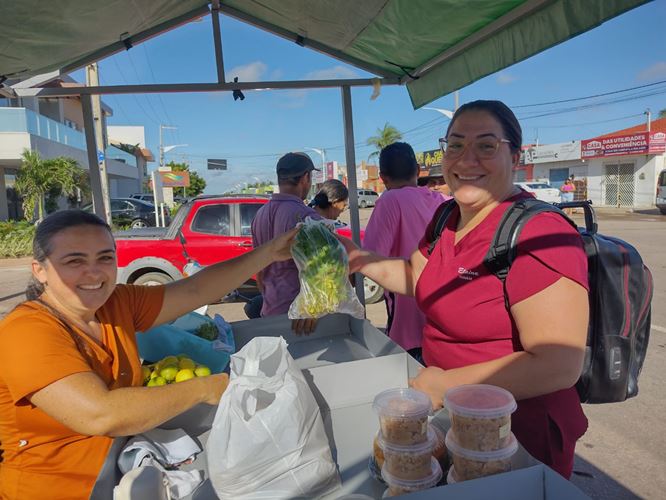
x: 131, y: 212
x: 151, y: 199
x: 206, y: 229
x: 367, y: 198
x: 542, y: 190
x: 661, y: 192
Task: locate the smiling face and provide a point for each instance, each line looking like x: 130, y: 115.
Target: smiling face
x: 80, y: 272
x: 479, y: 182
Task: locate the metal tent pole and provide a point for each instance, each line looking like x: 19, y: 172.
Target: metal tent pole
x: 350, y: 158
x: 93, y: 165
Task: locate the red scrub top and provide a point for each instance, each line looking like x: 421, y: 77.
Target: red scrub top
x: 467, y: 322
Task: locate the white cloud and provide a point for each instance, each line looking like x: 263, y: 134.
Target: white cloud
x: 654, y: 72
x: 248, y: 73
x: 291, y: 99
x: 505, y: 78
x: 331, y: 73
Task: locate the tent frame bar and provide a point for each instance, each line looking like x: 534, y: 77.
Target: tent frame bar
x: 305, y: 42
x: 201, y: 87
x: 478, y: 37
x: 217, y: 39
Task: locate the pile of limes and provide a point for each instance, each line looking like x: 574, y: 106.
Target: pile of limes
x: 172, y: 369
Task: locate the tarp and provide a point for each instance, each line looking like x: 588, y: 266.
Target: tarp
x: 436, y: 46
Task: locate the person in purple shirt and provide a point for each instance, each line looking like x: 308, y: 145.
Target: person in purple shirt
x: 279, y: 282
x: 395, y: 228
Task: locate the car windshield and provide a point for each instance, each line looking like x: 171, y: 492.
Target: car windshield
x: 538, y: 186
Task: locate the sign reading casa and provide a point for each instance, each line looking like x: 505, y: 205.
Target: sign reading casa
x: 638, y: 143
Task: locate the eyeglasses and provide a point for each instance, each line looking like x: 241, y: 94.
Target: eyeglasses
x: 484, y: 148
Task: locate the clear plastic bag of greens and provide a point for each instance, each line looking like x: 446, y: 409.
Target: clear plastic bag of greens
x: 323, y: 270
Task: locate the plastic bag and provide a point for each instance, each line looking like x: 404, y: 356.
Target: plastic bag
x: 323, y: 271
x: 268, y: 438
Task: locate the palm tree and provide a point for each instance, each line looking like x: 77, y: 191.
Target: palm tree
x: 37, y: 177
x: 385, y: 136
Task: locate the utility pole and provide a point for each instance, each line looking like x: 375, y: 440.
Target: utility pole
x: 456, y: 101
x: 92, y: 80
x: 649, y: 119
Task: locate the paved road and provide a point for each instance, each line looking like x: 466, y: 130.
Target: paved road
x: 622, y: 455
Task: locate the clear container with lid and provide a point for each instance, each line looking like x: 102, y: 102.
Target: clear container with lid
x: 408, y: 462
x: 451, y: 476
x: 471, y: 464
x: 403, y: 416
x: 480, y: 416
x: 398, y: 486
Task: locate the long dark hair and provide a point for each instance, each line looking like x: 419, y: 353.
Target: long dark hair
x: 331, y: 192
x: 501, y: 113
x: 42, y: 243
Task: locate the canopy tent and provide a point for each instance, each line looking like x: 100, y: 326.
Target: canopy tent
x: 432, y: 46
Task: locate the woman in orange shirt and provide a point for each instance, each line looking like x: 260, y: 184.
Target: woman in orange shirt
x: 70, y: 376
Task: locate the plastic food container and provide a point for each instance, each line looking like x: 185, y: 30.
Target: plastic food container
x: 480, y: 416
x: 451, y: 476
x: 470, y: 464
x: 408, y: 462
x: 403, y: 416
x: 398, y: 486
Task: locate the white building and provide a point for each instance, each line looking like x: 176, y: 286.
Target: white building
x: 54, y: 127
x: 619, y: 169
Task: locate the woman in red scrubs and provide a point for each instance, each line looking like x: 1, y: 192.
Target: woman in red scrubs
x: 536, y: 348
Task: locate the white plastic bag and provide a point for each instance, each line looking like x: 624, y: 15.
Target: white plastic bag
x: 323, y: 272
x: 268, y: 438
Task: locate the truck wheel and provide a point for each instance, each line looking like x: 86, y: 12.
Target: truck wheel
x: 363, y: 204
x: 373, y: 292
x: 153, y: 279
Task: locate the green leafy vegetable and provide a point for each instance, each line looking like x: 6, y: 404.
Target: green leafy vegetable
x: 207, y: 331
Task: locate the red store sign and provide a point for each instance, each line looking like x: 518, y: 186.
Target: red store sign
x: 640, y: 143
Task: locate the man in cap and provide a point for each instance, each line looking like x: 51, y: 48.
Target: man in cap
x: 279, y: 282
x: 435, y: 181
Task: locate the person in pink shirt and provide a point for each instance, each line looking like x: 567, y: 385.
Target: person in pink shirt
x: 396, y: 225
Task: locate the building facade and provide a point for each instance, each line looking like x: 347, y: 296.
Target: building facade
x: 54, y: 127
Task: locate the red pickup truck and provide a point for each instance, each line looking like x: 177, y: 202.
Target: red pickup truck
x: 207, y: 229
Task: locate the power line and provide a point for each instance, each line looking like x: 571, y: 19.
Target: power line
x: 589, y: 96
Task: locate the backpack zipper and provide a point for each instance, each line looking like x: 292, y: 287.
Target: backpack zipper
x: 625, y: 282
x: 648, y: 296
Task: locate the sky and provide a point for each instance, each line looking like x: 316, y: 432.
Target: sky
x: 623, y: 53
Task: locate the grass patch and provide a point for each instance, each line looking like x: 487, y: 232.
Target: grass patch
x: 16, y: 239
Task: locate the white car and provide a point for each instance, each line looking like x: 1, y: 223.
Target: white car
x: 541, y: 190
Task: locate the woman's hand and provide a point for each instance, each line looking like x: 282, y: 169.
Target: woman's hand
x: 281, y: 246
x: 354, y: 252
x: 433, y: 382
x: 216, y: 385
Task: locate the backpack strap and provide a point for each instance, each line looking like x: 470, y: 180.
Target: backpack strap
x: 445, y: 210
x: 504, y: 247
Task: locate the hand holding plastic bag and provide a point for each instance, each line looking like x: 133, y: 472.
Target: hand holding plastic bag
x: 323, y: 271
x: 268, y: 438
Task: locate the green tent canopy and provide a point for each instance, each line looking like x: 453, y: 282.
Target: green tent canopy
x: 432, y: 46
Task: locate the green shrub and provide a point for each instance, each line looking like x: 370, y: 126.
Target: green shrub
x: 16, y: 239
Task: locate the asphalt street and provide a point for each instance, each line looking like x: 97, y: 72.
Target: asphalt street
x: 622, y: 455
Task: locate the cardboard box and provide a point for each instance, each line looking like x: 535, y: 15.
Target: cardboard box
x: 347, y: 362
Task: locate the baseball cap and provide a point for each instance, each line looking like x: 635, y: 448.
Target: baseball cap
x: 294, y: 164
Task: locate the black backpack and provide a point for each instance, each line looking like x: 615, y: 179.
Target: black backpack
x: 620, y: 297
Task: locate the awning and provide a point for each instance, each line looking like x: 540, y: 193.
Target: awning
x: 433, y: 46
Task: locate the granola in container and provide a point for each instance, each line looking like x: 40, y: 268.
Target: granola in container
x: 408, y: 462
x: 398, y: 486
x: 439, y: 450
x: 480, y: 416
x: 403, y: 416
x: 470, y: 464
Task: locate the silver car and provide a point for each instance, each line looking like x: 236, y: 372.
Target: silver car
x: 367, y: 198
x: 541, y: 190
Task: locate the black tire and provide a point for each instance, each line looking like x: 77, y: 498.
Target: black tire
x: 153, y: 279
x: 139, y: 223
x: 373, y: 292
x: 363, y: 204
x: 662, y: 210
